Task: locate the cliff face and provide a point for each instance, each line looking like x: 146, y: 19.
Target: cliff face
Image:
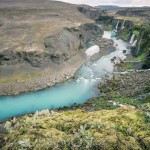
x: 57, y: 48
x: 40, y: 43
x: 140, y: 28
x: 96, y: 14
x: 29, y: 32
x: 141, y: 33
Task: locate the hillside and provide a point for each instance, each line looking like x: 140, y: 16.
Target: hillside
x: 40, y: 43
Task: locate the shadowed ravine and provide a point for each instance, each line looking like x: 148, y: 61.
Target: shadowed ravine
x: 76, y: 90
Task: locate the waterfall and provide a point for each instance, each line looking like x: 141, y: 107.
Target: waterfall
x: 122, y: 27
x: 134, y: 43
x: 132, y: 39
x: 117, y: 25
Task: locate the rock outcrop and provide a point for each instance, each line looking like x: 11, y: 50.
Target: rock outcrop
x: 96, y: 14
x: 58, y: 48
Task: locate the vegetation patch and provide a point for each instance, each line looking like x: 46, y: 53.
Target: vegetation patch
x: 124, y: 35
x: 127, y: 65
x: 121, y: 128
x: 136, y: 33
x: 140, y: 58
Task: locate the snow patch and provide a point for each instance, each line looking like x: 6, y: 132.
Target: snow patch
x: 92, y: 50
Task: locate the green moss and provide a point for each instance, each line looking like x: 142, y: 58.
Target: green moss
x: 140, y: 58
x: 136, y: 20
x: 147, y: 99
x: 78, y: 129
x: 127, y: 65
x: 124, y: 35
x: 104, y: 104
x: 129, y: 101
x: 107, y: 27
x: 136, y: 33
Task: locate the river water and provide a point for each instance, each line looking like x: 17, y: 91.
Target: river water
x: 77, y: 90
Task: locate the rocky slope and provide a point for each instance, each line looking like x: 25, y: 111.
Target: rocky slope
x: 128, y: 84
x: 40, y: 43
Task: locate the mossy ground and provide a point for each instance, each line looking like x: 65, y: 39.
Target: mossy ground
x: 140, y: 58
x: 121, y: 129
x: 124, y: 35
x: 127, y: 65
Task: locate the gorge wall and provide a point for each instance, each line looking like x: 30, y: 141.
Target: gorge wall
x: 58, y: 48
x: 132, y: 21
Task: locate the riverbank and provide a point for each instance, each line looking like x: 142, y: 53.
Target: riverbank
x: 41, y: 78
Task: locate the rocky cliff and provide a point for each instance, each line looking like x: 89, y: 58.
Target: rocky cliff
x: 57, y: 48
x: 96, y: 14
x: 131, y: 21
x: 140, y: 46
x: 40, y: 43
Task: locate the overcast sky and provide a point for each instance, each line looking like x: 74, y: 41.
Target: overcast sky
x: 110, y: 2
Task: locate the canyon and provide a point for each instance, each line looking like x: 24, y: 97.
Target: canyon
x: 74, y: 76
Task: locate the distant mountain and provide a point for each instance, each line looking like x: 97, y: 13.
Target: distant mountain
x: 117, y: 8
x: 111, y: 7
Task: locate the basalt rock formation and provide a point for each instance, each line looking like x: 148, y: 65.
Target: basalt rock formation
x: 58, y: 48
x: 96, y: 14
